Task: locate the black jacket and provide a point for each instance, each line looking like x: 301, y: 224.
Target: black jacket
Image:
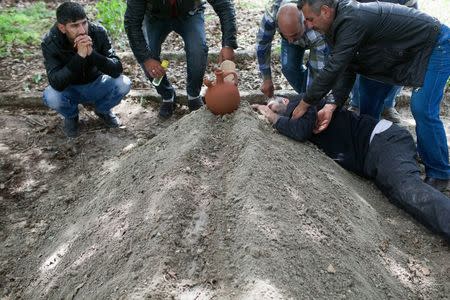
x: 65, y: 67
x: 408, y: 3
x: 137, y: 9
x: 383, y: 41
x: 346, y: 139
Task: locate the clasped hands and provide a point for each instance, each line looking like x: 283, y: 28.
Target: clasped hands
x: 83, y: 45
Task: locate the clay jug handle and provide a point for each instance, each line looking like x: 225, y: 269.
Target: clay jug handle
x: 235, y: 76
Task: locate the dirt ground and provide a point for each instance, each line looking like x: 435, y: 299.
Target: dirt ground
x: 196, y: 207
x: 203, y: 207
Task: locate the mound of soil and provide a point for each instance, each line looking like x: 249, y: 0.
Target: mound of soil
x: 202, y: 207
x: 211, y: 207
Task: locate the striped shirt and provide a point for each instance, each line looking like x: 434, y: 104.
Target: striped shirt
x: 312, y: 40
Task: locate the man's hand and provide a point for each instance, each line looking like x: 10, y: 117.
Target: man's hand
x: 266, y: 112
x: 89, y: 49
x: 226, y: 53
x: 154, y: 68
x: 83, y: 44
x: 324, y: 117
x: 267, y: 88
x: 300, y: 110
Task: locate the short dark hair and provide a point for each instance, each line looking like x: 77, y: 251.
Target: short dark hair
x: 70, y: 12
x: 317, y: 4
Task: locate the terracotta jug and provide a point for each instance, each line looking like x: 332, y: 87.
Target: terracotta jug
x: 222, y: 97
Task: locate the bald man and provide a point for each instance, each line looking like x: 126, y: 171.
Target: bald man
x: 285, y: 17
x: 290, y: 22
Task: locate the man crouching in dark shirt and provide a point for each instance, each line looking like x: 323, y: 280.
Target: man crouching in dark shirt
x: 82, y: 68
x: 375, y: 149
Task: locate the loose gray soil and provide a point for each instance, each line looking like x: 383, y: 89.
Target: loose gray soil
x: 202, y: 207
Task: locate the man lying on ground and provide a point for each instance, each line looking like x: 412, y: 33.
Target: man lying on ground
x: 389, y: 44
x: 379, y: 150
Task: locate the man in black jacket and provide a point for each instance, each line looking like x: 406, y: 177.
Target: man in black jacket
x: 375, y: 149
x: 148, y: 22
x: 392, y: 44
x: 82, y: 67
x: 364, y: 87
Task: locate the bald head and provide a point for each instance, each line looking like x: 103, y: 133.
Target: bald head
x: 290, y: 22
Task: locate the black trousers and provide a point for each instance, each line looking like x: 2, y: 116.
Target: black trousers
x: 391, y: 163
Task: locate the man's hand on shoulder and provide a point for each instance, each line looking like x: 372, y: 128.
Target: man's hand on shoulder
x: 271, y: 116
x: 226, y: 53
x: 300, y: 110
x: 324, y: 117
x: 267, y: 88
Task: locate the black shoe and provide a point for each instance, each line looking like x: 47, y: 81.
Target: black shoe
x: 109, y: 118
x: 166, y: 109
x: 70, y: 127
x: 195, y: 103
x: 439, y: 184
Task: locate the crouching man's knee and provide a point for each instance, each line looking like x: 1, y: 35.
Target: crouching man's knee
x: 123, y: 85
x: 53, y: 98
x: 115, y: 90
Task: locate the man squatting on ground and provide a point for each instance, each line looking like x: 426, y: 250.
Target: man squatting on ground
x: 379, y: 150
x: 148, y: 22
x: 393, y: 44
x: 284, y: 16
x: 82, y: 68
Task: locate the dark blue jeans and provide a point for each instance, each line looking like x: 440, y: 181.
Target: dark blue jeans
x: 370, y: 105
x: 425, y: 107
x: 191, y: 28
x: 292, y: 65
x: 104, y: 93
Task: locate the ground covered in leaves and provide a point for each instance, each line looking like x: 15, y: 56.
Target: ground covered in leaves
x: 26, y: 72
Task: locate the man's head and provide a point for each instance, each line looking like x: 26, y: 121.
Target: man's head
x: 72, y: 20
x: 319, y: 14
x: 278, y: 105
x: 290, y: 22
